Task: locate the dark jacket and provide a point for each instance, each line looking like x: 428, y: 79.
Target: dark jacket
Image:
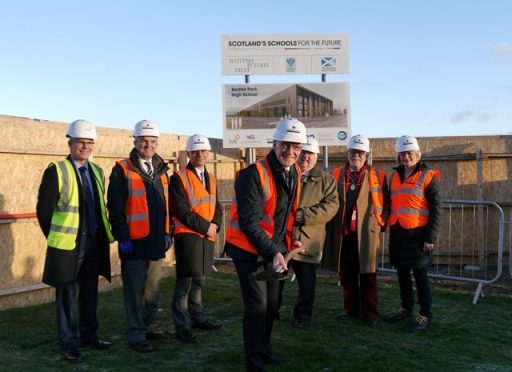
x: 60, y: 267
x: 193, y: 253
x: 249, y: 197
x: 406, y: 245
x: 153, y: 246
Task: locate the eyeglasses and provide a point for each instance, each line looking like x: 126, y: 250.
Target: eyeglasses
x: 293, y: 146
x: 81, y: 143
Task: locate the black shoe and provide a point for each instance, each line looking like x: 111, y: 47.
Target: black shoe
x: 301, y: 323
x: 272, y: 359
x: 142, y: 347
x: 207, y: 325
x: 399, y: 315
x: 346, y: 316
x: 157, y: 335
x: 371, y: 322
x: 186, y: 335
x: 72, y: 356
x: 422, y: 323
x: 96, y: 344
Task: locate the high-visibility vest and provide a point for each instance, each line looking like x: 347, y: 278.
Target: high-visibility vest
x: 66, y: 218
x: 136, y: 206
x: 376, y: 181
x: 408, y: 203
x: 236, y: 237
x: 201, y: 202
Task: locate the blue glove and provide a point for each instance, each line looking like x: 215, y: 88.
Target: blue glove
x: 168, y: 242
x: 125, y: 248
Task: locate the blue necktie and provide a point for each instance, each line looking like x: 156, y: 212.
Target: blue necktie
x: 90, y: 210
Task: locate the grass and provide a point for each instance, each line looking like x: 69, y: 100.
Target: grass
x: 463, y: 337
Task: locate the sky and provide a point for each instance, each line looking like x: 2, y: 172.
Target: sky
x: 423, y: 68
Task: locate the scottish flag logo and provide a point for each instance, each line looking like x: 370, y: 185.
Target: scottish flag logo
x: 328, y: 63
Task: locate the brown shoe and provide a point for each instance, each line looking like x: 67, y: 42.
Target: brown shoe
x: 72, y: 356
x: 422, y: 323
x: 399, y: 315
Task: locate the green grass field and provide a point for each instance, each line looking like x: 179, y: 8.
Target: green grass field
x: 463, y: 337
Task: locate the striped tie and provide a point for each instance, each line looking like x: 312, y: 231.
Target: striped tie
x: 149, y: 171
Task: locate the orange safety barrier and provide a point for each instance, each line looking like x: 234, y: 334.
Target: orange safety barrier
x: 17, y: 216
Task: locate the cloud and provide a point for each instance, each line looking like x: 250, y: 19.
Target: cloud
x: 468, y: 115
x: 502, y: 50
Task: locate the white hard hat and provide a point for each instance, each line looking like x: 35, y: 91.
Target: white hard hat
x: 198, y: 142
x: 406, y: 143
x: 146, y: 128
x: 359, y: 142
x: 311, y: 146
x: 290, y: 130
x: 81, y: 129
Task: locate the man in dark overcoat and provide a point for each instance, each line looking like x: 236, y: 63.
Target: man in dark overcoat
x: 197, y: 217
x: 71, y: 213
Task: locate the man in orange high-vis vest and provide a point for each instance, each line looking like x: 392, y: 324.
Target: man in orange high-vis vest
x: 197, y: 217
x: 138, y: 205
x: 353, y: 235
x: 260, y: 232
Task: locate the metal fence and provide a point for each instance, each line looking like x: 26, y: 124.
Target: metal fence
x: 469, y: 248
x: 470, y: 244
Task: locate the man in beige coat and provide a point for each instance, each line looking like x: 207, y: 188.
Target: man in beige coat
x: 318, y: 204
x: 353, y: 235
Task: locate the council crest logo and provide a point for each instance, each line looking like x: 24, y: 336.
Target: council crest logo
x: 290, y: 64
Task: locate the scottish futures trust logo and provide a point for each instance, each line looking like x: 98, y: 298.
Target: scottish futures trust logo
x: 290, y: 64
x: 328, y: 63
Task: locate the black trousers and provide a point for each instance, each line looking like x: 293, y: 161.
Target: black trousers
x: 260, y: 303
x: 79, y: 297
x: 422, y: 286
x: 305, y: 273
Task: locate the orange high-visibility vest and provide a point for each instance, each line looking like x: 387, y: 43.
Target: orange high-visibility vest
x: 236, y: 237
x: 200, y: 201
x: 376, y: 180
x: 408, y: 203
x: 136, y: 206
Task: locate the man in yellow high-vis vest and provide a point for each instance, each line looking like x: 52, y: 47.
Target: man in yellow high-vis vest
x: 72, y: 215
